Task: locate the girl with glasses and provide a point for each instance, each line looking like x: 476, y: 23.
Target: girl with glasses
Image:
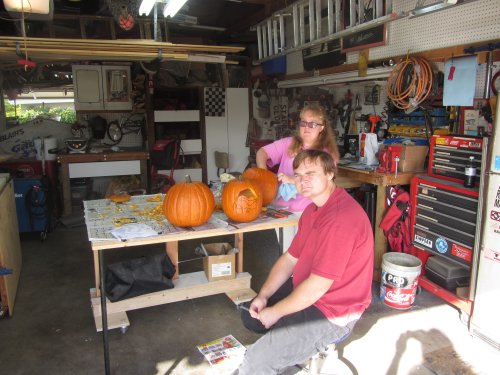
x: 313, y: 132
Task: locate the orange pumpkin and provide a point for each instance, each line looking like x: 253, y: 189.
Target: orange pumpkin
x: 188, y: 204
x: 266, y: 180
x: 241, y: 200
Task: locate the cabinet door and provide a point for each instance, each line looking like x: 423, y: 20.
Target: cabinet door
x: 87, y: 87
x: 116, y: 87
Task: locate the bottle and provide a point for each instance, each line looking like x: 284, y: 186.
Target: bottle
x: 470, y: 173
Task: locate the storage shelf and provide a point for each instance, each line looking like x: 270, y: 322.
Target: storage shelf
x: 177, y: 116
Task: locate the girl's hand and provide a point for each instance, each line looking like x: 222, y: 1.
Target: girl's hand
x: 285, y: 179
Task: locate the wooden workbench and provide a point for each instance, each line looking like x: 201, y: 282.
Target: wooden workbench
x: 186, y: 286
x: 99, y: 165
x: 350, y: 177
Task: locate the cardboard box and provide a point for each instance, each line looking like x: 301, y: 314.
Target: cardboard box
x: 220, y: 262
x: 412, y: 158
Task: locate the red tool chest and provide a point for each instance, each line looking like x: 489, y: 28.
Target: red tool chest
x: 443, y: 220
x: 449, y: 154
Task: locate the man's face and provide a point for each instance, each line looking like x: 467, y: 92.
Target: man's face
x: 310, y: 179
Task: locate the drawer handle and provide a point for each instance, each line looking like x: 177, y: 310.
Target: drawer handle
x: 424, y: 206
x: 427, y: 217
x: 428, y: 197
x: 421, y: 226
x: 428, y: 186
x: 442, y: 153
x: 444, y: 167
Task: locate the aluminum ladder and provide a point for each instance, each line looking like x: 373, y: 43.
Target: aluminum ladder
x: 308, y: 22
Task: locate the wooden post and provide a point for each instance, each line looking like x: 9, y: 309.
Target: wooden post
x: 238, y: 243
x: 172, y: 249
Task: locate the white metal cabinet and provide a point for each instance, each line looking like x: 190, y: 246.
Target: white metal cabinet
x: 102, y: 87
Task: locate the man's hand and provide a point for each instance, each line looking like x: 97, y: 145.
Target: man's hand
x: 257, y: 305
x: 268, y: 317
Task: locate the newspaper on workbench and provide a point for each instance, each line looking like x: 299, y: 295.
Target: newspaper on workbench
x: 224, y: 353
x: 103, y: 216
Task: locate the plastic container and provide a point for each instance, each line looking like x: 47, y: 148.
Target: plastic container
x: 446, y: 273
x: 399, y: 280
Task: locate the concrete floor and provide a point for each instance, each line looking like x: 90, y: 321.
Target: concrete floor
x: 52, y: 330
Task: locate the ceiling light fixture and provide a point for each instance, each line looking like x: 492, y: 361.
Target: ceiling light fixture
x: 32, y: 9
x: 330, y: 79
x: 172, y: 7
x: 146, y: 6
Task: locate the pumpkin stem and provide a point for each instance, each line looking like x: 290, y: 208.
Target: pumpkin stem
x: 188, y: 178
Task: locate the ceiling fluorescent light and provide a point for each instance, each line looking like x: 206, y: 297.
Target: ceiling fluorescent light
x: 329, y: 79
x: 146, y: 7
x: 172, y: 7
x: 32, y: 9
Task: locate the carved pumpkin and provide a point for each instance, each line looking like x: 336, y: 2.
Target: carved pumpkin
x: 188, y: 204
x: 266, y: 180
x: 241, y: 200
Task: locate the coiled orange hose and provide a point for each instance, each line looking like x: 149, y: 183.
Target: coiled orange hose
x: 410, y: 82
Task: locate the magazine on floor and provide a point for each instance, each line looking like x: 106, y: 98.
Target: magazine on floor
x: 226, y: 352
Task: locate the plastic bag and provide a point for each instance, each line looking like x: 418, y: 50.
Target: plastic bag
x: 134, y: 277
x: 368, y: 148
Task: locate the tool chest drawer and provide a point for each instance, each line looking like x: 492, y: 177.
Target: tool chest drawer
x: 443, y: 218
x: 449, y: 154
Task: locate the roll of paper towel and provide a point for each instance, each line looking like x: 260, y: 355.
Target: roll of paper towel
x: 50, y: 147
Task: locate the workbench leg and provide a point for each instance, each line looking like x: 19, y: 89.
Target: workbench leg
x: 238, y: 243
x: 380, y: 239
x: 104, y: 315
x: 66, y: 189
x: 97, y: 273
x: 172, y: 249
x: 144, y: 174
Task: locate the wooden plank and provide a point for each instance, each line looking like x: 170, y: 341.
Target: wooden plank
x: 10, y: 246
x: 241, y: 295
x: 116, y: 320
x: 188, y: 286
x: 289, y: 221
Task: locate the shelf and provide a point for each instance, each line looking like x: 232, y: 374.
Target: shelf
x: 196, y: 174
x: 191, y: 146
x: 177, y: 116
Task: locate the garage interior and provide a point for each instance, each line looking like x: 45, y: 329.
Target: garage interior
x: 266, y: 59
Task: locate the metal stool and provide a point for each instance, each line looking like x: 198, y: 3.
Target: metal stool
x: 327, y: 362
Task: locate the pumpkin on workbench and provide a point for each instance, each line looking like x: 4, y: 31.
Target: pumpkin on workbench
x: 188, y: 204
x: 266, y: 180
x: 242, y: 200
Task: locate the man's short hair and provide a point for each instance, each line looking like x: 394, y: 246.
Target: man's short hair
x: 314, y: 155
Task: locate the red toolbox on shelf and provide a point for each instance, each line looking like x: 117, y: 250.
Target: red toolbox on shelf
x: 443, y: 221
x: 449, y: 154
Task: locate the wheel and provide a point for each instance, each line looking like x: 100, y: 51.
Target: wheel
x: 419, y: 289
x: 43, y: 235
x: 124, y: 329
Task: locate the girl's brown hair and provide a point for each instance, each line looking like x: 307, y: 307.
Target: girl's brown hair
x: 326, y: 138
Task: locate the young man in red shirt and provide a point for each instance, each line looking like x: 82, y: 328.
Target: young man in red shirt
x: 329, y: 263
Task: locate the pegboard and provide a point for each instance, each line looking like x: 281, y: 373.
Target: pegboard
x: 464, y: 24
x: 128, y: 140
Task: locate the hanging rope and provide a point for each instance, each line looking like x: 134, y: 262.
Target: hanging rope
x: 410, y: 82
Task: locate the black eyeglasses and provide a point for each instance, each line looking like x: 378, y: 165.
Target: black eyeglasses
x: 311, y: 125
